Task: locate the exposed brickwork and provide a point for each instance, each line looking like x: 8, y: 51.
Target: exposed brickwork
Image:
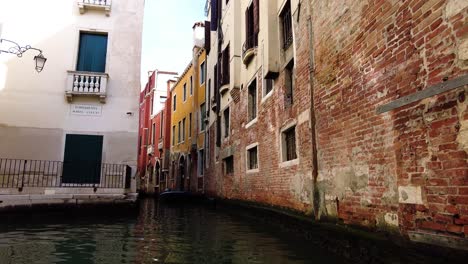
x: 275, y: 183
x: 368, y: 53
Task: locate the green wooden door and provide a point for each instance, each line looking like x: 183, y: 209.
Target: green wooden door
x: 82, y: 159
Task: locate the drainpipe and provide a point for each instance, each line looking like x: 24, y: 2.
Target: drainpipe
x: 315, y: 190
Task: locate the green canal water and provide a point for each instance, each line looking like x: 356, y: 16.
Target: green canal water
x: 158, y: 233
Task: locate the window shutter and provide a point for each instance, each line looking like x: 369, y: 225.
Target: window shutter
x: 256, y: 13
x: 214, y: 15
x: 207, y: 37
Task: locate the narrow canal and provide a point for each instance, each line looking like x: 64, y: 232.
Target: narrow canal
x: 174, y: 234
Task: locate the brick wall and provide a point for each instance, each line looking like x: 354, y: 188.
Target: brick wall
x: 275, y: 183
x: 408, y: 167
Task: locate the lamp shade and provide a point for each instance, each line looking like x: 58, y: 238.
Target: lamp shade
x: 40, y: 62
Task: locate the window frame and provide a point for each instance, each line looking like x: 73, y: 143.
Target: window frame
x: 284, y: 148
x: 252, y: 119
x: 287, y: 37
x: 248, y: 150
x: 203, y: 72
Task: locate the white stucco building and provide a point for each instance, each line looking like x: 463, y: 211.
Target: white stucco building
x: 82, y: 109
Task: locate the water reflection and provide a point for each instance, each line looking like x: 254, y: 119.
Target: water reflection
x: 158, y: 234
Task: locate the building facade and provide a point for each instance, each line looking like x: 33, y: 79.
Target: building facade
x: 188, y: 125
x: 351, y: 111
x: 76, y: 122
x: 153, y: 100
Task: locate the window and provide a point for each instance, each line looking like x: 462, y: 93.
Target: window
x: 201, y: 161
x: 228, y: 165
x: 92, y: 52
x: 289, y: 83
x: 252, y: 159
x: 152, y: 105
x: 190, y: 125
x: 286, y: 22
x: 226, y: 122
x: 252, y: 103
x: 183, y: 129
x: 251, y: 26
x: 174, y: 103
x: 202, y: 73
x: 225, y: 69
x: 191, y: 85
x: 173, y: 135
x: 202, y: 117
x: 161, y: 125
x: 267, y: 86
x: 185, y: 92
x: 153, y: 133
x: 178, y: 133
x: 289, y: 144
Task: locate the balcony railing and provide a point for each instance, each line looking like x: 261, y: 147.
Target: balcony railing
x: 16, y: 173
x: 87, y: 84
x: 104, y: 5
x: 249, y: 48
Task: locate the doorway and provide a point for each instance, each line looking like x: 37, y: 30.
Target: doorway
x: 82, y: 159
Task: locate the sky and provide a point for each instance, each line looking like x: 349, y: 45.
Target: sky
x: 168, y: 35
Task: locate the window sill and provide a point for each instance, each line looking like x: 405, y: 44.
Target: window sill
x: 251, y: 123
x: 266, y: 96
x: 289, y: 163
x: 252, y: 171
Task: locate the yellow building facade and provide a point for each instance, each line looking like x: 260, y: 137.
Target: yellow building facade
x: 188, y: 125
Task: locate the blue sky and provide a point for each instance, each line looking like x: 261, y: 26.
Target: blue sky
x: 167, y: 34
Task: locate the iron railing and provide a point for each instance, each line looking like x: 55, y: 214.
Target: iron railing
x: 19, y: 173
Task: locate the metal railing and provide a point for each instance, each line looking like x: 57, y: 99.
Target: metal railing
x: 19, y: 173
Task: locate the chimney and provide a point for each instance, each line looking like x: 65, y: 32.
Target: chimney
x: 199, y: 34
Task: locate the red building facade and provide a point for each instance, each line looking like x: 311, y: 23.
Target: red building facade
x: 154, y: 133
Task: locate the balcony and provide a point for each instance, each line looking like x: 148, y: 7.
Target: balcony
x: 150, y: 150
x: 86, y: 84
x: 249, y: 49
x: 100, y: 5
x: 213, y: 104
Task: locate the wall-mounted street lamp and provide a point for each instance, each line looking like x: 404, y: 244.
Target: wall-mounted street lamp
x: 18, y: 51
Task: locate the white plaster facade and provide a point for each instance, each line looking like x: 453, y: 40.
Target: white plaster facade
x: 35, y: 115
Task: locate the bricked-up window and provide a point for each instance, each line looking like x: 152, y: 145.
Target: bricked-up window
x: 252, y: 26
x: 190, y: 125
x: 178, y: 133
x: 286, y: 22
x: 252, y: 100
x: 202, y: 73
x: 174, y: 103
x: 289, y: 144
x: 226, y: 122
x: 173, y: 135
x: 183, y: 130
x: 252, y: 159
x: 289, y: 83
x: 185, y: 92
x: 228, y: 165
x: 202, y: 117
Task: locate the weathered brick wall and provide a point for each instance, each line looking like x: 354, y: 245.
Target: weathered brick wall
x: 275, y: 183
x: 368, y: 53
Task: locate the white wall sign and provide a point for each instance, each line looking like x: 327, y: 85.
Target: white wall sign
x: 86, y: 110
